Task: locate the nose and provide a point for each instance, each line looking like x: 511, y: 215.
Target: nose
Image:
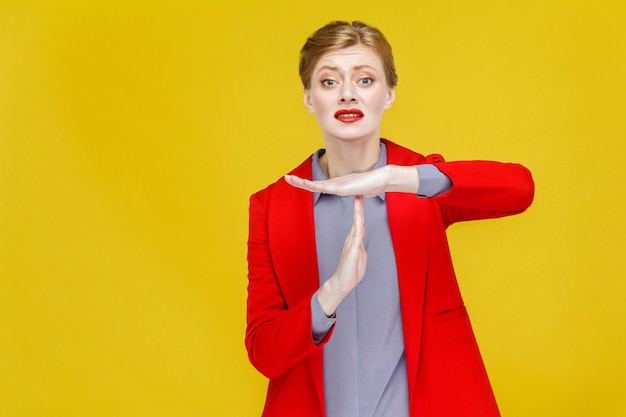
x: 347, y: 93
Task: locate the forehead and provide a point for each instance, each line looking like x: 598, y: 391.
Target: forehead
x: 354, y: 56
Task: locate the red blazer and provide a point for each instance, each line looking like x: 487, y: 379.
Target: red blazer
x: 446, y: 375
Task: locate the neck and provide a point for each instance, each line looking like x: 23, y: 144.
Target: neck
x: 343, y: 158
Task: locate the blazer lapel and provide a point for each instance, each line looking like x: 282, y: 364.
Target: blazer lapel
x: 408, y: 223
x: 292, y: 244
x: 292, y: 239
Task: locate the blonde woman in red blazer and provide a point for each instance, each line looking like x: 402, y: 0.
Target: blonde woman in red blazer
x: 349, y: 81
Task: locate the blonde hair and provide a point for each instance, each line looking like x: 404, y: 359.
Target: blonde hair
x: 338, y: 35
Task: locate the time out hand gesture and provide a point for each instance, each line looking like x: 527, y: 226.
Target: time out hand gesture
x: 351, y: 267
x: 366, y: 184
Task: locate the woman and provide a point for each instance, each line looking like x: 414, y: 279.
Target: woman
x: 353, y: 305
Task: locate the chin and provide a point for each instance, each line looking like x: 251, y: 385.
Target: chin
x: 356, y: 136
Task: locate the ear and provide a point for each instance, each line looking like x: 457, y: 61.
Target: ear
x: 307, y: 100
x: 391, y: 96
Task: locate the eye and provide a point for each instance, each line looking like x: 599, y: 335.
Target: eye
x: 328, y: 82
x: 366, y: 81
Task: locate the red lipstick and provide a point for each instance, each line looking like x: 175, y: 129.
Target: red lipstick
x: 349, y: 115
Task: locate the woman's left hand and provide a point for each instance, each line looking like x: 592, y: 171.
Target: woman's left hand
x: 367, y: 184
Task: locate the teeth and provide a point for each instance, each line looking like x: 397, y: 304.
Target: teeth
x: 348, y: 115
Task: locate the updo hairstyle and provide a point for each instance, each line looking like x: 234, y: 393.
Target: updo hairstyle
x: 339, y: 35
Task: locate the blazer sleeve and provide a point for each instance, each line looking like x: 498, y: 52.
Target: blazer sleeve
x: 483, y: 189
x: 278, y: 336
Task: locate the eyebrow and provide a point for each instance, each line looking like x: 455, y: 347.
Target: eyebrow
x: 357, y: 67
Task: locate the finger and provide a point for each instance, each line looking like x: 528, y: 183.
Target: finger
x: 358, y: 208
x: 294, y: 181
x: 308, y: 185
x: 359, y: 217
x: 355, y: 235
x: 300, y: 182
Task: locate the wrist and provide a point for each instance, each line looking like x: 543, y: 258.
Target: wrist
x: 330, y: 296
x: 404, y: 179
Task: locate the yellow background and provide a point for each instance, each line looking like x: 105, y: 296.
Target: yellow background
x: 132, y: 134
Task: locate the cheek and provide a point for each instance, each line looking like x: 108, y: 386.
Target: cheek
x: 380, y: 98
x: 320, y: 102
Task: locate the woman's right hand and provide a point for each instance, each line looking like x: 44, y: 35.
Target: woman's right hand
x: 389, y: 178
x: 352, y: 264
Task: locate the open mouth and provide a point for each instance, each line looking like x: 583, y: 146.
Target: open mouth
x: 349, y: 116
